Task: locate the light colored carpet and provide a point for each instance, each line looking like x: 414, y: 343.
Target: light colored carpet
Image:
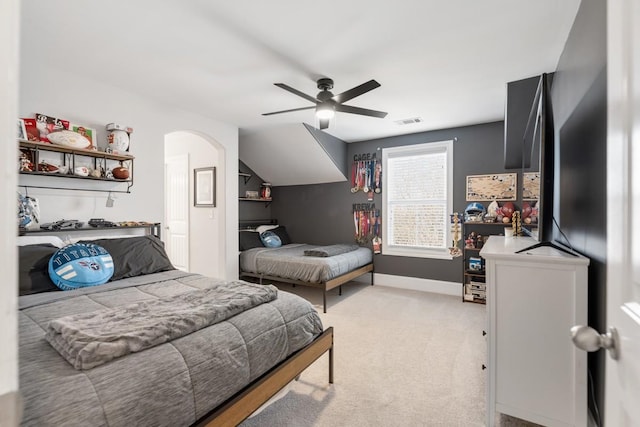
x: 402, y: 358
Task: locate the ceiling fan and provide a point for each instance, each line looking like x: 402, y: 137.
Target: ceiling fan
x: 327, y: 103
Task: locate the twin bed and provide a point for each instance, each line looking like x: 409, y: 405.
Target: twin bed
x: 322, y: 267
x: 216, y: 373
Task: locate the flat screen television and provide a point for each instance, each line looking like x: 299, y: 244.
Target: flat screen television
x: 538, y: 142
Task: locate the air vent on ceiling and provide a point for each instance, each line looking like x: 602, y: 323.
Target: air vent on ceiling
x: 409, y: 121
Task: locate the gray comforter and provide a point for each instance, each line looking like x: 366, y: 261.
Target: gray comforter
x: 91, y: 339
x: 171, y: 384
x: 289, y: 261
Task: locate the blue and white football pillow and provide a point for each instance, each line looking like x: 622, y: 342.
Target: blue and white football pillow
x: 270, y: 239
x: 80, y: 265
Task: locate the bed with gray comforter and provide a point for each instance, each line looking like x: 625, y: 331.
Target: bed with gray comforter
x: 291, y: 262
x: 323, y: 267
x: 117, y: 363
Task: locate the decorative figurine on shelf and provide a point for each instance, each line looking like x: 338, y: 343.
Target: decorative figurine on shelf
x: 118, y: 138
x: 265, y: 190
x: 471, y: 240
x: 28, y: 212
x: 25, y: 163
x: 454, y: 250
x: 516, y: 224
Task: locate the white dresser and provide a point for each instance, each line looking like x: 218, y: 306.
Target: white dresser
x: 533, y: 299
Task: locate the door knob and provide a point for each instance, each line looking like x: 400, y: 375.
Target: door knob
x: 588, y: 339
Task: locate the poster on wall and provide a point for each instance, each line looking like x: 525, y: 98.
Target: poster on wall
x: 531, y: 186
x: 482, y: 188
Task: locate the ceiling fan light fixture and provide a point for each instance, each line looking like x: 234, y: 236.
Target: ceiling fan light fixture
x: 326, y: 103
x: 325, y: 111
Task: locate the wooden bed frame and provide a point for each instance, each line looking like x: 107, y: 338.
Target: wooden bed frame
x: 239, y: 407
x: 325, y: 286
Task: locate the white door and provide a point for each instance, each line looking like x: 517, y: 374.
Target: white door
x: 622, y: 392
x: 177, y: 210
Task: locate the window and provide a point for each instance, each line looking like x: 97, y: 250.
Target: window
x: 417, y: 199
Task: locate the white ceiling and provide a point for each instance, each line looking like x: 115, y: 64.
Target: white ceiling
x: 445, y: 61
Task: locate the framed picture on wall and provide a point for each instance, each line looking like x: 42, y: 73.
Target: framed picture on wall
x: 204, y: 187
x: 499, y: 186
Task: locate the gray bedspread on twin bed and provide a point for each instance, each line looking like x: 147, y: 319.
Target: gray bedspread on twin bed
x: 173, y: 383
x: 289, y: 261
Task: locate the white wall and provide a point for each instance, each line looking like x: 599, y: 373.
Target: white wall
x: 204, y: 251
x: 8, y: 285
x: 81, y: 99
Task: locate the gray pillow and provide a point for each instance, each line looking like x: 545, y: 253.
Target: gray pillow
x: 33, y: 269
x: 135, y: 256
x: 250, y: 239
x: 281, y: 232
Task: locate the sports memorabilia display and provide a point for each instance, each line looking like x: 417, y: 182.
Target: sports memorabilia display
x: 367, y: 222
x: 120, y: 172
x: 118, y: 138
x: 69, y: 139
x: 474, y: 212
x: 47, y: 124
x: 366, y: 175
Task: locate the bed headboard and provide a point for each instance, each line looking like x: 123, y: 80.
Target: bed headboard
x: 251, y: 224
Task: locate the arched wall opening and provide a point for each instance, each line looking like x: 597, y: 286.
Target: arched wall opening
x: 206, y: 225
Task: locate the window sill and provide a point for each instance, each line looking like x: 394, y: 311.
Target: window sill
x: 417, y: 253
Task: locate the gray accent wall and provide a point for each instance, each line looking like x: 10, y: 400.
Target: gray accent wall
x: 579, y: 96
x: 322, y: 213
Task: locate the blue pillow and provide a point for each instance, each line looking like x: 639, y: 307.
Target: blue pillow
x: 270, y: 239
x: 80, y: 265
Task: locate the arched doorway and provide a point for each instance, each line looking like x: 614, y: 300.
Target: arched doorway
x: 194, y: 235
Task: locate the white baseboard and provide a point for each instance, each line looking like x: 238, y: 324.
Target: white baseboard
x: 414, y: 283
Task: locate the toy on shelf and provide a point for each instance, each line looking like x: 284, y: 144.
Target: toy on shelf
x: 456, y: 219
x: 119, y: 138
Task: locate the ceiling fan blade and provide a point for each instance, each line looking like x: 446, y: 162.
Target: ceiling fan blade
x: 288, y: 111
x: 297, y: 92
x: 356, y: 91
x: 363, y: 111
x: 324, y: 123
